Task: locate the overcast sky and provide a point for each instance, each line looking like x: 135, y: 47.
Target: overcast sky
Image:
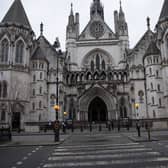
x: 54, y: 15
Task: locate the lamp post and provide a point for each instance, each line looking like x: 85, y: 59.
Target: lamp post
x: 56, y: 107
x: 138, y: 124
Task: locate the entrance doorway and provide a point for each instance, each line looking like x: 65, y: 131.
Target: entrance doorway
x: 16, y: 120
x: 97, y: 111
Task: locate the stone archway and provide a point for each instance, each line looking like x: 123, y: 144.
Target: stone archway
x: 106, y: 98
x: 97, y: 110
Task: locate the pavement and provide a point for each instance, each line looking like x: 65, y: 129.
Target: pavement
x: 47, y: 138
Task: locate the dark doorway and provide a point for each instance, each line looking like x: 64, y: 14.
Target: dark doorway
x: 16, y: 120
x: 97, y: 110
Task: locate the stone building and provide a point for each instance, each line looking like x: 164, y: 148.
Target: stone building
x: 100, y: 77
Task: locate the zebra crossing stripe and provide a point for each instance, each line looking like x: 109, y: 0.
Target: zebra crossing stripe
x: 105, y: 156
x: 105, y: 163
x: 103, y: 151
x: 98, y: 145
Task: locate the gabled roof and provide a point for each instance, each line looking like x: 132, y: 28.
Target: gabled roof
x: 144, y: 37
x: 16, y: 14
x: 164, y: 12
x: 152, y: 49
x: 39, y: 54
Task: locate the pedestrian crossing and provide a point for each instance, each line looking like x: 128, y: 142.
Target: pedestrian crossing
x: 106, y: 155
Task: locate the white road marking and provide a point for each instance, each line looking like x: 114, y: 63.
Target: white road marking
x: 29, y: 154
x: 104, y: 145
x: 104, y: 163
x: 33, y: 151
x: 105, y: 156
x: 25, y: 158
x: 19, y: 163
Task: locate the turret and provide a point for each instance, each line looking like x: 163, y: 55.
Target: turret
x: 122, y: 24
x: 73, y: 25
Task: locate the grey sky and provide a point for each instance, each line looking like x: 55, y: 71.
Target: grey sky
x: 54, y: 14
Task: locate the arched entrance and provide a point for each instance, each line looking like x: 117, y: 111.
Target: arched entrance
x: 97, y: 110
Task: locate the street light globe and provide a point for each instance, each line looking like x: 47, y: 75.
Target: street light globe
x: 137, y: 105
x: 56, y: 107
x: 65, y: 113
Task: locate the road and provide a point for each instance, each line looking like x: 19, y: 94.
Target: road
x: 89, y: 150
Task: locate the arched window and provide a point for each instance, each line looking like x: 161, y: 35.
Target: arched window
x: 154, y: 114
x: 150, y: 71
x: 33, y: 106
x: 34, y: 92
x: 0, y: 89
x: 4, y: 89
x: 125, y: 112
x: 153, y: 100
x: 92, y: 65
x: 151, y: 86
x: 41, y: 75
x: 40, y: 90
x: 40, y: 104
x: 4, y: 50
x: 34, y: 78
x: 19, y: 52
x: 157, y: 73
x: 160, y: 102
x: 3, y: 115
x: 103, y: 65
x: 158, y: 87
x: 97, y: 62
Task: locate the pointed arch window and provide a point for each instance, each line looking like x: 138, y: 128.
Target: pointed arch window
x: 19, y: 52
x: 4, y: 89
x: 103, y: 65
x: 0, y: 89
x: 33, y: 106
x: 40, y: 104
x: 92, y: 66
x: 34, y: 78
x: 3, y: 115
x: 4, y: 50
x: 41, y: 90
x: 97, y: 62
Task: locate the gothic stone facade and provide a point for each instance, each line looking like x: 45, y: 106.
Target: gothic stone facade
x: 100, y: 77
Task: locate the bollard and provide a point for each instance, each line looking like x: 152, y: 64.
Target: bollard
x: 149, y: 136
x: 90, y: 127
x: 109, y: 127
x: 81, y: 128
x: 100, y: 128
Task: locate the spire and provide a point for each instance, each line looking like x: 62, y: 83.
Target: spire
x: 16, y: 14
x: 164, y: 12
x: 71, y: 9
x: 148, y: 23
x: 97, y: 9
x: 41, y: 29
x: 71, y: 16
x: 121, y: 13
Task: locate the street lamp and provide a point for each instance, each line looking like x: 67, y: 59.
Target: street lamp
x: 57, y: 107
x: 137, y: 107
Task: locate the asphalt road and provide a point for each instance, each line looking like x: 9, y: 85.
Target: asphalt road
x: 24, y: 157
x: 90, y: 150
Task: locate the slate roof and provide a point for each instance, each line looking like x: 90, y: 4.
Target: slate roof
x: 39, y: 54
x: 152, y: 49
x: 16, y: 14
x: 164, y: 12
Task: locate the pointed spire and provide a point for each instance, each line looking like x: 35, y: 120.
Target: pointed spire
x: 164, y: 12
x: 71, y: 9
x: 148, y: 23
x: 121, y: 13
x: 41, y: 29
x: 16, y: 14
